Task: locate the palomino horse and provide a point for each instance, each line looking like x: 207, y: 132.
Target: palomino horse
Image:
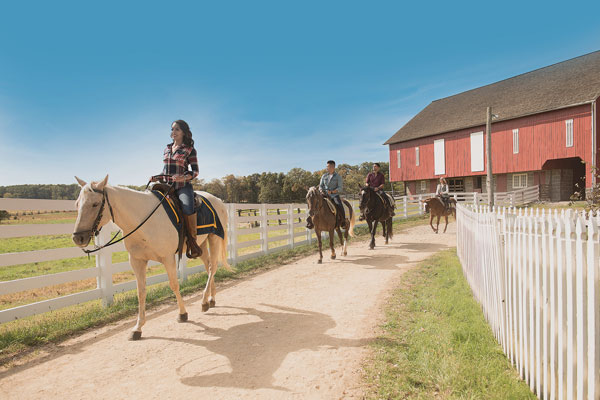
x: 156, y: 239
x: 325, y: 220
x: 374, y: 211
x: 436, y: 208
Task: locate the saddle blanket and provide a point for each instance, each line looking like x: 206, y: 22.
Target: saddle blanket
x: 207, y: 219
x: 333, y: 209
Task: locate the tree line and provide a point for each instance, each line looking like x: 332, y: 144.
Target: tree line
x: 267, y: 187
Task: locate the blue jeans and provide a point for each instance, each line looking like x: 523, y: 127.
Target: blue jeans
x: 186, y: 197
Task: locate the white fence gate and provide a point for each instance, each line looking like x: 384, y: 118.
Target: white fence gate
x: 536, y: 275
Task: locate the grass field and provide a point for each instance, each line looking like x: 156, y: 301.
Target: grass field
x: 435, y: 342
x: 20, y: 336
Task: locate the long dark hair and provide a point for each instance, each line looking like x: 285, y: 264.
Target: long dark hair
x: 187, y: 133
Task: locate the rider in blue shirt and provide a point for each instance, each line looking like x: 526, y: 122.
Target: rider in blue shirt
x: 331, y: 185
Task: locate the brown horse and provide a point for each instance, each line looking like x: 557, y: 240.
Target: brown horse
x: 325, y: 220
x: 435, y: 207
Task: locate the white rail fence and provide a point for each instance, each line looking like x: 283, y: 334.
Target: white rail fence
x: 254, y: 230
x: 536, y: 275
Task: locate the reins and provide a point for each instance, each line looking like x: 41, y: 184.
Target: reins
x: 95, y: 230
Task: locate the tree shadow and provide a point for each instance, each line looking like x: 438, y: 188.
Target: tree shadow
x: 378, y: 261
x: 419, y: 247
x: 254, y: 351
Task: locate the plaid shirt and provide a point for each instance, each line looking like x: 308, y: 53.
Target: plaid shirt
x: 177, y: 163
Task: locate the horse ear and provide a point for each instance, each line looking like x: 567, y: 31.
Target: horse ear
x: 81, y: 182
x: 100, y: 186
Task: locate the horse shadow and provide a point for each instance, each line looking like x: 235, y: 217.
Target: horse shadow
x: 378, y: 261
x: 252, y: 352
x: 419, y: 247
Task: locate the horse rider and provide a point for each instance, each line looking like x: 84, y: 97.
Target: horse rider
x: 179, y: 156
x: 331, y: 185
x: 443, y: 192
x: 375, y: 180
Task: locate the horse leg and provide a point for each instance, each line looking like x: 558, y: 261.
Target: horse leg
x: 171, y: 267
x: 373, y: 233
x: 342, y: 241
x: 215, y: 246
x: 386, y: 231
x: 206, y: 260
x: 139, y: 269
x: 431, y: 221
x: 318, y: 232
x: 331, y: 243
x: 446, y: 227
x: 437, y: 227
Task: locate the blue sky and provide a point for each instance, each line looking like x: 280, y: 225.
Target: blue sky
x: 90, y: 88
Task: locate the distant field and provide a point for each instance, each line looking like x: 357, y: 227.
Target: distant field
x: 32, y: 217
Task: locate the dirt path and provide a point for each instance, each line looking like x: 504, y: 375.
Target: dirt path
x: 299, y: 331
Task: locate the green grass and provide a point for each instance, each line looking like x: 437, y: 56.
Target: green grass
x: 22, y: 336
x: 435, y: 342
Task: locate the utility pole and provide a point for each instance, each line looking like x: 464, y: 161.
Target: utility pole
x: 490, y: 181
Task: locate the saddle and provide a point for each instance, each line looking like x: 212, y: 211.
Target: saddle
x: 331, y: 205
x: 173, y: 201
x: 334, y: 210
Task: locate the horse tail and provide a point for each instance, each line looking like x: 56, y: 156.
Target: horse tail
x: 352, y: 219
x: 224, y: 251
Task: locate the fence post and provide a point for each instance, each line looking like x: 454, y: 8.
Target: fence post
x: 290, y: 211
x: 263, y: 228
x: 233, y: 215
x: 104, y: 264
x: 405, y: 204
x: 182, y: 268
x: 475, y: 198
x: 420, y: 205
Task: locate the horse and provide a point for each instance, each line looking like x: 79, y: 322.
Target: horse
x: 374, y: 211
x: 435, y: 206
x: 156, y: 239
x: 325, y: 220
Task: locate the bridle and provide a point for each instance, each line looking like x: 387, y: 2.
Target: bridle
x: 95, y: 231
x: 313, y: 194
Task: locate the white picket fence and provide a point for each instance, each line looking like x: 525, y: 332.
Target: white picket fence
x: 254, y: 230
x: 536, y: 275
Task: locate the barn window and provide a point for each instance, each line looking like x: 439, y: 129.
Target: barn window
x: 417, y: 156
x: 569, y: 126
x: 515, y: 141
x: 398, y: 157
x: 519, y: 181
x: 440, y: 157
x: 477, y: 151
x: 423, y: 186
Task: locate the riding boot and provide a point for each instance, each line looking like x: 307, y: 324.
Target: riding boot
x: 193, y: 250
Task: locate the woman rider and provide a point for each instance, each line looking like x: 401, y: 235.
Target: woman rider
x: 442, y: 191
x: 178, y: 157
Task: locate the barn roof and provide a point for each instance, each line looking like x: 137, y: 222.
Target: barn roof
x: 560, y: 85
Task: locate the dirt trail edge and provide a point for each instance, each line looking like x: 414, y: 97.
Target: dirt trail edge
x: 298, y: 331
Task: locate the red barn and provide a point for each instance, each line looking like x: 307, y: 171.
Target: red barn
x: 544, y: 134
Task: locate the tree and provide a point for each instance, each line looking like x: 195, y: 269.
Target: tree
x: 4, y: 215
x: 271, y: 185
x: 295, y: 184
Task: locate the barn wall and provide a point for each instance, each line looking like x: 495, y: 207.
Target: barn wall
x: 541, y: 137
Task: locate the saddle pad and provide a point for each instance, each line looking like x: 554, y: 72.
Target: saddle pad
x: 207, y: 218
x: 331, y: 205
x: 170, y: 210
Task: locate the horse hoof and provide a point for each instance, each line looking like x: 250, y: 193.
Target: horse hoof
x: 205, y: 307
x: 333, y: 257
x: 345, y: 253
x: 320, y: 262
x: 183, y: 317
x: 135, y: 335
x: 212, y: 303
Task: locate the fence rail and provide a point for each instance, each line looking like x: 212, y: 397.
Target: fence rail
x: 253, y: 230
x: 537, y: 278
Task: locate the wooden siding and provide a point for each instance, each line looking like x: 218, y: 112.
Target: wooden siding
x: 541, y: 138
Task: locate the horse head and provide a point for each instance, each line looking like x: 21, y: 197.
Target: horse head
x: 314, y: 200
x: 364, y: 197
x: 90, y: 206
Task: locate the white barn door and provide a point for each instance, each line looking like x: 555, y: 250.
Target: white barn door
x: 440, y: 157
x: 477, y: 151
